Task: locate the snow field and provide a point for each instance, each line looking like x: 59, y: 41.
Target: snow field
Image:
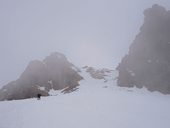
x: 96, y: 104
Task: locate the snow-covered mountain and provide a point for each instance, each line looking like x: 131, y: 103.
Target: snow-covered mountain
x: 97, y: 103
x: 87, y: 97
x: 54, y: 74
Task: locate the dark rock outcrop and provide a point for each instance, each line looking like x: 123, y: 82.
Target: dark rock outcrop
x: 148, y: 61
x: 54, y: 72
x: 98, y: 73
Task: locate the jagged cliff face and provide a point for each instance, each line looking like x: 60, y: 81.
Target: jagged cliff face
x: 54, y: 72
x: 148, y: 61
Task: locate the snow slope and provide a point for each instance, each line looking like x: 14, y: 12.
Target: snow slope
x: 96, y: 104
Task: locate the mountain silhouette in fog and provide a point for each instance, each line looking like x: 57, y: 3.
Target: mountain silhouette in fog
x: 146, y: 65
x: 148, y: 62
x: 53, y: 73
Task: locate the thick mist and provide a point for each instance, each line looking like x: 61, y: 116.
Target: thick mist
x: 92, y: 32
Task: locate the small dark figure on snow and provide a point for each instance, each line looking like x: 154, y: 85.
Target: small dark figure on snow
x: 38, y: 96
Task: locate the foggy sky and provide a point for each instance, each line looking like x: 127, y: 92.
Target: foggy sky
x: 89, y: 32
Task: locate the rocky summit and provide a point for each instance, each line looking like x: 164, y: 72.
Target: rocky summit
x: 55, y: 72
x: 148, y: 62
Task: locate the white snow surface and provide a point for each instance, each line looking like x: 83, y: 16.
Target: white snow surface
x: 96, y: 104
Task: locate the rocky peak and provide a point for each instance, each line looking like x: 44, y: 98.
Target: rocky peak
x: 55, y: 72
x: 148, y: 61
